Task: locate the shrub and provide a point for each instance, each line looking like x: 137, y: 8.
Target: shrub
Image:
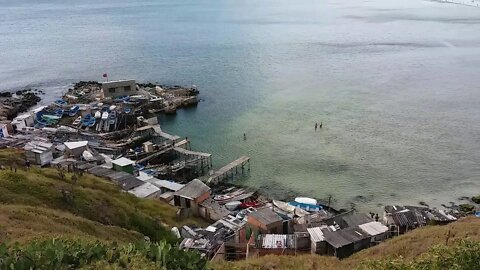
x: 60, y: 253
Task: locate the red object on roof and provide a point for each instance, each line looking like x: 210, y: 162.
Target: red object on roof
x: 249, y: 204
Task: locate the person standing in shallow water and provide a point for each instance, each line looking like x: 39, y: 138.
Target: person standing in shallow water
x: 244, y: 136
x: 321, y: 124
x: 316, y: 126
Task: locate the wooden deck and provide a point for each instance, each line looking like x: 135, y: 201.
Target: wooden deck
x: 224, y: 171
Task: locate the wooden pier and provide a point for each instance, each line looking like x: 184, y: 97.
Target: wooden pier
x: 230, y: 170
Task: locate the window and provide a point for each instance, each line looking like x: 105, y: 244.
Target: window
x: 127, y: 88
x: 111, y: 90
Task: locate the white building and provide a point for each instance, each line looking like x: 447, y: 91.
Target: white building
x: 39, y: 153
x: 75, y: 148
x: 22, y: 121
x: 5, y: 130
x: 114, y: 89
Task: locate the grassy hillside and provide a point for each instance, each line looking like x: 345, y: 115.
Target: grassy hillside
x: 48, y: 221
x: 25, y: 223
x: 407, y: 250
x: 40, y: 200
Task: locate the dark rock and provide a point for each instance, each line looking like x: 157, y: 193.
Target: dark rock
x: 423, y: 203
x: 476, y: 199
x: 467, y: 208
x: 5, y: 94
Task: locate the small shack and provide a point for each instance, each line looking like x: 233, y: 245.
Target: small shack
x: 39, y: 153
x: 265, y: 221
x: 317, y: 240
x: 191, y: 195
x: 123, y: 165
x: 6, y: 130
x: 22, y: 121
x: 377, y: 230
x: 120, y: 88
x: 148, y: 147
x: 345, y: 242
x: 75, y: 149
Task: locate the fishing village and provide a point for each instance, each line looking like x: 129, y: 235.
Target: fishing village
x: 111, y: 130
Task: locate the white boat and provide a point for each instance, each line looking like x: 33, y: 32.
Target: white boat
x: 77, y: 121
x: 112, y: 117
x: 104, y: 115
x: 113, y: 107
x: 306, y: 200
x: 290, y: 208
x: 98, y: 114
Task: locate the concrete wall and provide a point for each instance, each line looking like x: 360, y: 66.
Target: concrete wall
x: 119, y: 88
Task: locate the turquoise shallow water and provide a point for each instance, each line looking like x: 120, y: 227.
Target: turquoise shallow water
x: 395, y: 83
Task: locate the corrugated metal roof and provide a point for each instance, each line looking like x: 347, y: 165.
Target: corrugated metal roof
x: 316, y: 234
x: 345, y: 237
x: 168, y: 185
x: 144, y: 190
x: 38, y: 146
x: 74, y: 145
x: 193, y: 189
x: 374, y: 228
x: 122, y: 162
x: 265, y: 216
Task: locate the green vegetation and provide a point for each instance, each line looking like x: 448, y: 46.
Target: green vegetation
x: 90, y: 198
x: 49, y: 221
x: 74, y: 254
x: 465, y: 255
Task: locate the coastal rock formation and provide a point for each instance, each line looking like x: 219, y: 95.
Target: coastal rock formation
x: 21, y: 101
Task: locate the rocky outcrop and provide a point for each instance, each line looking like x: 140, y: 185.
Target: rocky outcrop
x: 12, y: 105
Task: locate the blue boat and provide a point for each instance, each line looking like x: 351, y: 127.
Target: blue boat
x: 73, y: 111
x: 128, y: 110
x: 305, y: 206
x: 60, y: 102
x: 88, y: 121
x: 59, y: 112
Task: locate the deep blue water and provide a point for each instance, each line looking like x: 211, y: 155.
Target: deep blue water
x: 396, y: 84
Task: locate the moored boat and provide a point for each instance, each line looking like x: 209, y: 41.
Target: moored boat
x: 60, y: 102
x: 77, y: 121
x: 98, y: 114
x: 88, y: 121
x: 73, y: 111
x: 104, y: 115
x: 59, y: 112
x: 112, y: 117
x: 307, y: 204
